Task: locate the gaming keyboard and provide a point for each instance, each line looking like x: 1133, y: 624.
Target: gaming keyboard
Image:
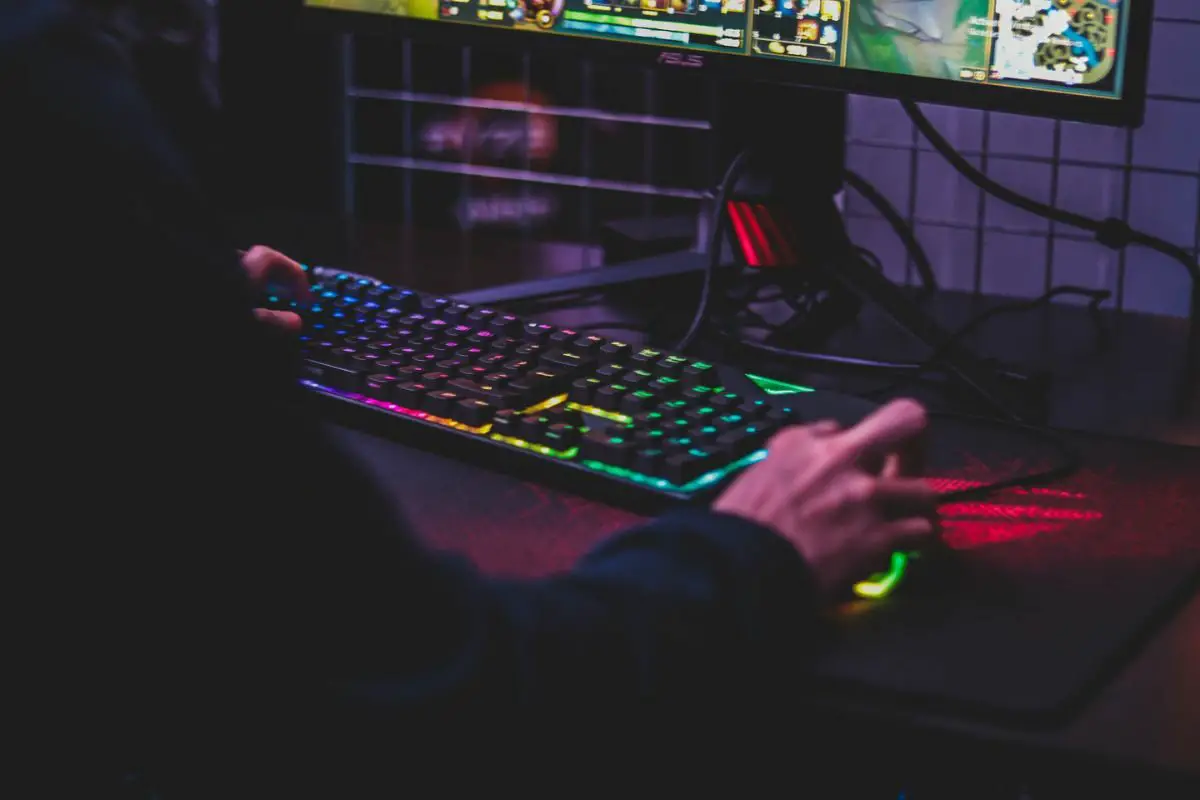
x: 641, y: 427
x: 644, y: 423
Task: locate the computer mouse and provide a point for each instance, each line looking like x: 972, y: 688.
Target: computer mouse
x: 933, y: 569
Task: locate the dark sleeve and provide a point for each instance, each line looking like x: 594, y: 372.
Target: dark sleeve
x: 231, y: 562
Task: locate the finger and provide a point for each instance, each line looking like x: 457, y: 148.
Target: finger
x: 283, y: 320
x: 888, y: 429
x: 916, y: 492
x: 891, y: 466
x: 910, y: 533
x: 265, y: 265
x: 824, y: 427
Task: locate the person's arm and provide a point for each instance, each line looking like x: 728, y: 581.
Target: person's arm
x: 244, y: 529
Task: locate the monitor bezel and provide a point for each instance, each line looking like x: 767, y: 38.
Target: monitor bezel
x: 1126, y: 111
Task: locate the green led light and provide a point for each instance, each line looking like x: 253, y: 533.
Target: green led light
x: 704, y: 480
x: 600, y: 412
x: 772, y: 386
x: 707, y: 479
x: 881, y: 584
x: 537, y: 448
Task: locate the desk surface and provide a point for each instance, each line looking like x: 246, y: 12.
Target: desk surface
x: 1148, y: 716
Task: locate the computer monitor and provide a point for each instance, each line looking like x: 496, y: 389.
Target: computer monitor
x: 1081, y: 60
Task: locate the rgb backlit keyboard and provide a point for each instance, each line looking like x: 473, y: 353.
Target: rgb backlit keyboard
x: 590, y: 412
x: 638, y: 416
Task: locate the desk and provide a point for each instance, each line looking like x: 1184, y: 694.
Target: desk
x: 1143, y: 725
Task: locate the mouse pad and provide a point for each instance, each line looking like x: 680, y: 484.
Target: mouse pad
x: 1044, y: 591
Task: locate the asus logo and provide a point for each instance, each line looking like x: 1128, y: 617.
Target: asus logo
x: 667, y: 58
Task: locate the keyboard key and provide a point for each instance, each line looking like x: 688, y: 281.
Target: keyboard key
x: 471, y: 354
x: 728, y: 400
x: 536, y: 332
x: 638, y: 378
x: 564, y: 337
x: 388, y: 366
x: 435, y: 379
x: 699, y: 372
x: 699, y: 392
x: 493, y: 395
x: 540, y: 383
x: 410, y: 394
x: 683, y: 468
x: 664, y: 386
x: 754, y: 409
x: 561, y: 436
x: 649, y: 461
x: 364, y: 362
x: 456, y: 311
x: 482, y: 316
x: 505, y: 345
x: 379, y: 386
x: 609, y: 397
x: 590, y: 343
x: 606, y: 448
x: 473, y: 412
x: 404, y: 354
x: 505, y: 324
x: 441, y: 402
x: 647, y: 355
x: 435, y: 305
x: 638, y: 400
x: 671, y: 365
x: 566, y: 359
x: 506, y: 422
x: 582, y: 390
x: 614, y: 371
x: 411, y: 372
x: 616, y: 349
x: 518, y: 366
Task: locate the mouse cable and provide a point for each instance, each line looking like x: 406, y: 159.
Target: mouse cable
x: 903, y: 229
x: 1111, y: 232
x: 1095, y: 298
x: 718, y: 224
x: 1069, y: 463
x: 914, y: 370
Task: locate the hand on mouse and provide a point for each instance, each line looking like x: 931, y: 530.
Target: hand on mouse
x: 845, y: 499
x: 266, y: 266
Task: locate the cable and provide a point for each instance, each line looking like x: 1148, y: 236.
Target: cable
x: 898, y: 224
x: 1070, y: 463
x: 1096, y: 297
x: 716, y: 241
x: 1112, y: 232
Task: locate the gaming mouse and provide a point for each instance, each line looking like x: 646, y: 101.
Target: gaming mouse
x: 935, y: 568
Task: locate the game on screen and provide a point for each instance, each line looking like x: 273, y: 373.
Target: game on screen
x: 1055, y: 45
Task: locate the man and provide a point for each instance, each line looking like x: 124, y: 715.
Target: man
x: 222, y: 602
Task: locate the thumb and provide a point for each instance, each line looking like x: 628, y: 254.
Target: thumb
x: 281, y: 320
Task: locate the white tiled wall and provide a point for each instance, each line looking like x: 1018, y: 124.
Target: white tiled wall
x: 1151, y: 178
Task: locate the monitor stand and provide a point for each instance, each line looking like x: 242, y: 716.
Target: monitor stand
x: 794, y: 180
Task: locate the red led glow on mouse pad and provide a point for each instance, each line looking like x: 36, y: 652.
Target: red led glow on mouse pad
x: 1013, y: 514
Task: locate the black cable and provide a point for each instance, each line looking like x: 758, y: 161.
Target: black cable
x: 870, y: 257
x: 1112, y: 232
x: 898, y: 224
x: 1071, y: 459
x: 1096, y: 297
x: 716, y: 243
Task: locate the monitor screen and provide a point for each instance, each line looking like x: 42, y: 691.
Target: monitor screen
x: 1065, y: 57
